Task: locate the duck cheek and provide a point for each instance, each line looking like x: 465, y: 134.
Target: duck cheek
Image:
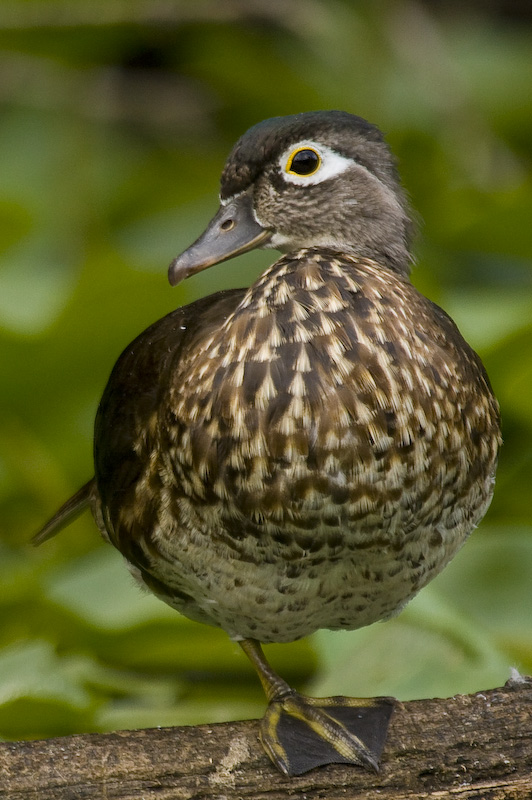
x: 267, y: 207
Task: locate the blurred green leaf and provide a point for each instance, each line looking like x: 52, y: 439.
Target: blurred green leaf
x: 463, y: 631
x: 99, y: 588
x: 487, y: 317
x: 494, y: 588
x: 33, y: 288
x: 37, y: 693
x: 431, y: 650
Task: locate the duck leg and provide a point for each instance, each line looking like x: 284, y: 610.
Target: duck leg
x: 300, y: 733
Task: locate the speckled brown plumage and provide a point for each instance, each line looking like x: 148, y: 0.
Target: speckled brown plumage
x: 320, y: 470
x: 309, y: 452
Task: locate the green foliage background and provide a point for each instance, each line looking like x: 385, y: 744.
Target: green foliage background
x: 115, y: 122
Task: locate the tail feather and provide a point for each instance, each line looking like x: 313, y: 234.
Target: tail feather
x: 68, y: 512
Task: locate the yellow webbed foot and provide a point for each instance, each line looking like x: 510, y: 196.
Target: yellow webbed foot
x: 300, y: 733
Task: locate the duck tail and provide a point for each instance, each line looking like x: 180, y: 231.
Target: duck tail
x: 68, y: 512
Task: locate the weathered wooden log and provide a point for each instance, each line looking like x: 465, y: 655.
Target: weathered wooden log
x: 475, y: 746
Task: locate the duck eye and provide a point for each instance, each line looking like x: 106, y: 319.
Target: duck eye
x: 303, y: 162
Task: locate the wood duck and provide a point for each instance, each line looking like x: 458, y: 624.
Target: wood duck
x: 308, y: 452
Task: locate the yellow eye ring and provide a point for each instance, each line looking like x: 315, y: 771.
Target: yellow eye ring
x: 305, y: 161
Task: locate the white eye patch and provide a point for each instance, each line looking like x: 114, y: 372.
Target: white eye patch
x: 331, y: 163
